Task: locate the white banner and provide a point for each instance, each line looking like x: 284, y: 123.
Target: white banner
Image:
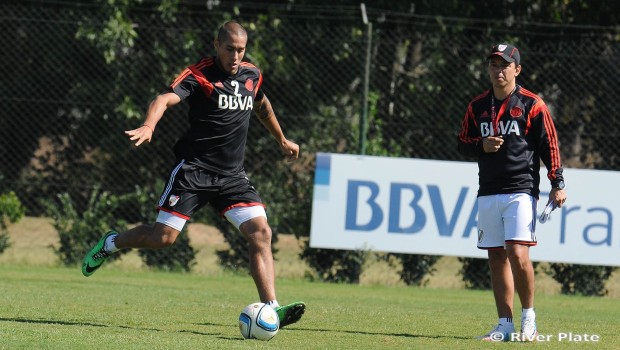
x: 429, y: 207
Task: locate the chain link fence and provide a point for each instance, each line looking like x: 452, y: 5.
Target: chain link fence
x: 76, y: 75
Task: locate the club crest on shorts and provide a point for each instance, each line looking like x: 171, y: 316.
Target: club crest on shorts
x: 480, y: 234
x: 173, y: 199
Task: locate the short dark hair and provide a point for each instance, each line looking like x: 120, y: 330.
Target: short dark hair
x: 229, y: 28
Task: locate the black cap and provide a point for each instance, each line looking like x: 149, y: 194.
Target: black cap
x: 506, y: 51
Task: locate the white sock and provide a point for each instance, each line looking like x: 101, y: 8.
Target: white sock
x: 110, y: 246
x: 273, y: 303
x: 527, y: 313
x: 506, y: 321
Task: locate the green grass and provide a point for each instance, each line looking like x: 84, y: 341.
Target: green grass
x: 58, y: 308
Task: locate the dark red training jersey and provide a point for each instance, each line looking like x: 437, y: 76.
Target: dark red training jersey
x: 220, y: 107
x: 525, y: 124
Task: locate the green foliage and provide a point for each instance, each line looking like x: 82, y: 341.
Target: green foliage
x: 80, y: 228
x: 413, y: 267
x: 11, y: 211
x: 581, y: 279
x: 476, y: 273
x: 116, y: 35
x: 334, y: 265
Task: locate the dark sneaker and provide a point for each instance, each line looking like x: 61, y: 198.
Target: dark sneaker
x: 290, y: 313
x: 96, y: 256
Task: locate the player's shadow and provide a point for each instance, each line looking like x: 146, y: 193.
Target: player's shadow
x: 219, y: 335
x: 74, y: 323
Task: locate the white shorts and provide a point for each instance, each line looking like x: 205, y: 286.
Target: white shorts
x: 236, y: 216
x: 506, y: 219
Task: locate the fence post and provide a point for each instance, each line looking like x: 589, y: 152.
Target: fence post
x: 363, y: 127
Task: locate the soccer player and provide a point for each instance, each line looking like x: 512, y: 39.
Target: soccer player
x: 222, y: 91
x: 509, y: 129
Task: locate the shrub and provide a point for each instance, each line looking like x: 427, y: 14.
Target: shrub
x: 413, y: 267
x: 476, y: 273
x: 11, y: 211
x: 334, y: 265
x: 581, y: 279
x: 78, y: 230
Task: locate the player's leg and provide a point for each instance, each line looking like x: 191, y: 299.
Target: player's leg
x: 520, y: 221
x: 176, y: 205
x: 155, y: 236
x: 258, y: 234
x: 252, y: 222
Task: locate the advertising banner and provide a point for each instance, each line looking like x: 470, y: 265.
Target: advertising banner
x: 429, y: 207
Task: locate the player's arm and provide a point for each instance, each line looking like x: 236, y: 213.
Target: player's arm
x: 181, y: 88
x: 264, y: 112
x: 469, y: 139
x: 153, y: 114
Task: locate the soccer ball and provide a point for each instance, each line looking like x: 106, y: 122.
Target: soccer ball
x: 259, y: 321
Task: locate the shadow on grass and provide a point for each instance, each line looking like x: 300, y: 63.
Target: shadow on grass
x: 219, y: 335
x: 406, y: 335
x: 69, y: 323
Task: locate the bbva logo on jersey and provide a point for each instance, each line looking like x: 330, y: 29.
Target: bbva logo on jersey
x: 503, y: 128
x: 235, y: 102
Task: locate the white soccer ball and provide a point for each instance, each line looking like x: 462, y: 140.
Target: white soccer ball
x: 259, y: 321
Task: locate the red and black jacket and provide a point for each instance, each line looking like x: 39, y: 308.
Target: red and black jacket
x: 529, y: 134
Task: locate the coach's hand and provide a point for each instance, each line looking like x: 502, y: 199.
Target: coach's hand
x: 492, y: 144
x: 557, y: 196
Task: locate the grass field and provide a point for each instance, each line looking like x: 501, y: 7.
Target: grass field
x: 125, y: 306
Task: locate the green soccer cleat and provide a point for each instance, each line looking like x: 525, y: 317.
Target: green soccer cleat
x: 290, y: 313
x: 96, y: 256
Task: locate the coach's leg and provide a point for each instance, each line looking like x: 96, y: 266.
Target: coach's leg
x: 502, y: 281
x: 155, y: 236
x: 258, y: 234
x: 523, y: 271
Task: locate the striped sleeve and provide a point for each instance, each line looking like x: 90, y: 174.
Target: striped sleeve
x: 469, y: 137
x: 191, y: 80
x: 548, y: 141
